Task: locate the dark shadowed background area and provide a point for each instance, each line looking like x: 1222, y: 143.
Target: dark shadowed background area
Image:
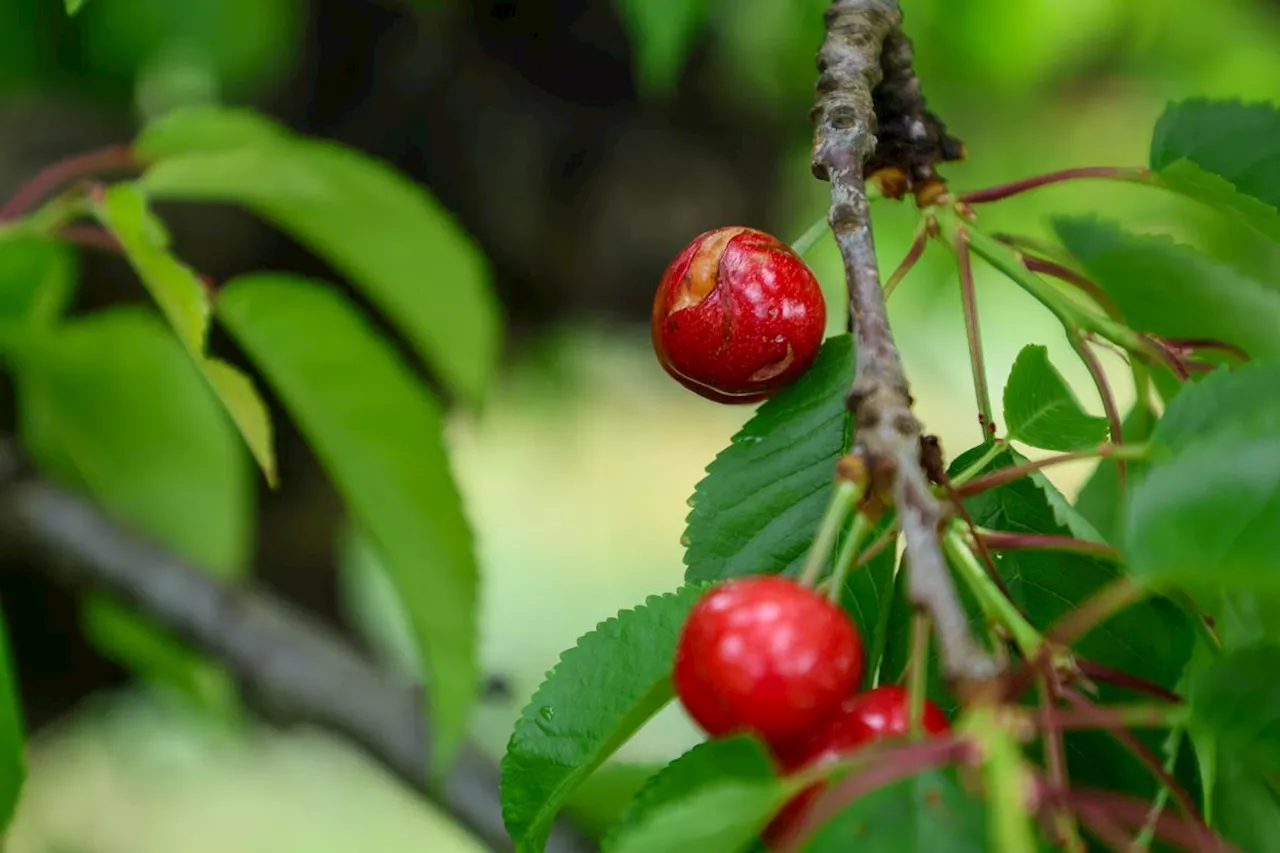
x: 581, y: 147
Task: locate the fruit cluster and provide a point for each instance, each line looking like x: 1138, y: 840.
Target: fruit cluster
x: 769, y: 657
x: 738, y: 315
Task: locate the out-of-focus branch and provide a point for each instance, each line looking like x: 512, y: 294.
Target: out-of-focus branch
x: 293, y: 668
x: 887, y: 434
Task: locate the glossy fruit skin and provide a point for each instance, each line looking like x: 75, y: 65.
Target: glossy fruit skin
x: 767, y: 656
x: 862, y: 719
x: 737, y: 316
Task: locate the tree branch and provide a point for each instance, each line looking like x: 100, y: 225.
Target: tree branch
x: 293, y: 668
x: 887, y: 434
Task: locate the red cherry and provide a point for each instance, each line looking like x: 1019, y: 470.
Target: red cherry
x: 737, y: 316
x: 861, y: 719
x: 765, y: 655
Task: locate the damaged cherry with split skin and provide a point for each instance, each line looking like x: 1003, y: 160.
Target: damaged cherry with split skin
x: 737, y: 316
x: 767, y: 656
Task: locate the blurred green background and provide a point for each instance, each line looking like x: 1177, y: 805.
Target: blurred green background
x: 582, y: 144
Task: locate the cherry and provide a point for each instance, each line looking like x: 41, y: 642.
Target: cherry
x: 862, y: 719
x: 767, y: 656
x: 738, y: 315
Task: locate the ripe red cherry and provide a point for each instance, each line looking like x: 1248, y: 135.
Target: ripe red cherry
x: 862, y: 719
x: 767, y: 656
x: 737, y: 316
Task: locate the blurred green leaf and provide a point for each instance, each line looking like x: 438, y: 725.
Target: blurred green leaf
x: 377, y: 431
x: 738, y: 758
x: 389, y: 236
x: 1236, y: 700
x: 603, y: 689
x: 37, y: 280
x: 1224, y: 401
x: 925, y: 812
x: 598, y: 804
x: 1245, y: 806
x: 74, y: 6
x: 185, y: 302
x: 662, y: 32
x: 725, y: 815
x: 111, y: 404
x: 1170, y: 289
x: 1099, y: 499
x: 1223, y: 153
x: 373, y: 605
x: 13, y: 747
x: 1041, y: 410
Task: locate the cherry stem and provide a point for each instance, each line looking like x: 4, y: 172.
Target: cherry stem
x: 918, y: 672
x: 1004, y: 476
x: 1172, y: 747
x: 810, y: 237
x: 1144, y: 755
x: 875, y: 768
x: 1095, y: 671
x: 1070, y: 276
x: 998, y: 607
x: 845, y: 558
x: 90, y: 237
x: 993, y: 450
x: 1098, y: 608
x: 999, y: 540
x: 843, y: 497
x: 1055, y: 758
x: 1093, y: 805
x: 1102, y: 827
x: 1108, y: 399
x: 1109, y: 717
x: 113, y: 158
x: 969, y: 299
x: 983, y: 553
x: 1013, y: 188
x: 909, y: 261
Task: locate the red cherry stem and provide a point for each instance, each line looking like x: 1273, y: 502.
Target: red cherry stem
x: 113, y: 158
x: 90, y: 237
x: 1070, y: 276
x: 1144, y: 755
x: 1086, y: 717
x: 1095, y: 671
x: 999, y: 540
x: 875, y: 767
x: 1110, y: 833
x: 1055, y: 758
x: 968, y: 298
x: 1172, y: 746
x: 1104, y: 391
x: 909, y: 261
x: 843, y: 498
x: 1004, y: 476
x: 1013, y: 188
x: 1185, y: 833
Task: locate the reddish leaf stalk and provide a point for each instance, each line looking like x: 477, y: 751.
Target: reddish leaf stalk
x: 113, y: 158
x: 908, y: 262
x: 880, y: 767
x: 90, y: 237
x: 1108, y: 399
x: 1098, y: 824
x: 1001, y: 541
x: 1055, y: 758
x: 1013, y: 188
x: 974, y: 334
x: 1109, y: 717
x: 1148, y: 759
x: 1187, y: 833
x: 1007, y: 475
x: 1099, y: 672
x: 1070, y: 276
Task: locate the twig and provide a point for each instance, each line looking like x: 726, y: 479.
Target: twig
x: 113, y: 158
x: 293, y: 668
x: 886, y: 431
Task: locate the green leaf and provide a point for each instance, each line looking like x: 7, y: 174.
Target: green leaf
x: 378, y: 433
x: 738, y: 758
x: 1245, y: 806
x: 661, y: 31
x: 1066, y: 515
x: 1099, y: 499
x: 37, y: 280
x: 1241, y: 400
x: 724, y: 816
x: 183, y: 299
x: 1236, y: 700
x: 1170, y: 289
x: 1041, y: 410
x: 1224, y: 154
x: 13, y: 748
x: 111, y: 405
x: 758, y: 507
x: 74, y: 6
x: 926, y: 812
x: 1208, y: 519
x: 600, y: 802
x: 599, y: 694
x: 386, y: 234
